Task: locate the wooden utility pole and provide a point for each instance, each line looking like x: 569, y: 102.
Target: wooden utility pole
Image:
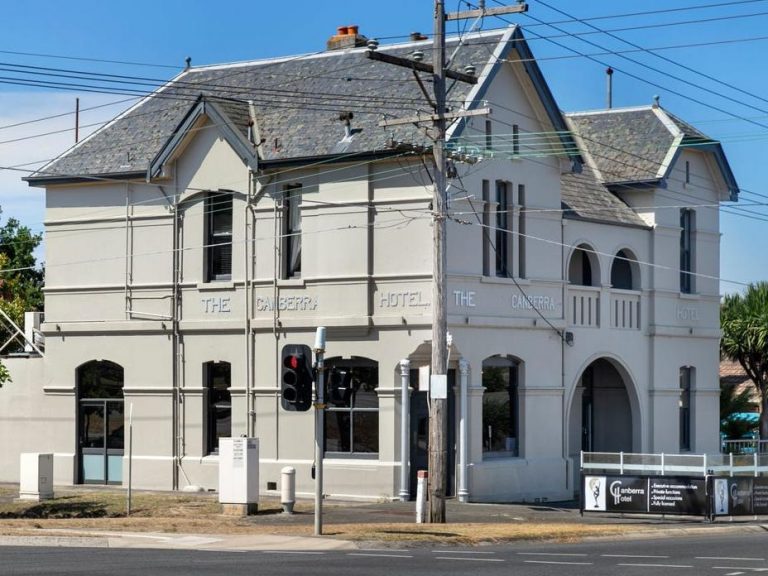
x: 438, y: 442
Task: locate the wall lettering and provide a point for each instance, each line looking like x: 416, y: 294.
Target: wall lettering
x: 688, y: 313
x: 405, y: 299
x: 217, y: 305
x: 464, y: 298
x: 300, y: 303
x: 520, y: 302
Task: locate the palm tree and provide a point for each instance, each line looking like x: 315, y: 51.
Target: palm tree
x: 744, y: 324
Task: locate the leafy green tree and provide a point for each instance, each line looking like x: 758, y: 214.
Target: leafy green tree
x: 21, y: 281
x: 744, y: 323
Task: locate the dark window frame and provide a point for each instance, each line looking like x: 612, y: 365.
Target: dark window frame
x: 218, y: 236
x: 345, y: 411
x: 687, y: 251
x: 214, y: 404
x: 687, y: 374
x: 291, y: 232
x: 503, y: 234
x: 512, y: 372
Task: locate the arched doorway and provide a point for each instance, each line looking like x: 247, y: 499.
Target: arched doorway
x: 100, y: 424
x: 604, y: 411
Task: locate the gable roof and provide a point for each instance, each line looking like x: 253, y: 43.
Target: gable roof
x: 631, y: 146
x: 296, y: 104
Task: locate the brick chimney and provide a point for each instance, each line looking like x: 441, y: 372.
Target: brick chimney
x: 346, y: 37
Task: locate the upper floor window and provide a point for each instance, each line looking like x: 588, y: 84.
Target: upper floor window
x: 583, y: 268
x: 291, y: 237
x: 218, y: 236
x: 687, y: 250
x: 625, y: 274
x: 503, y: 236
x: 686, y: 383
x: 217, y: 379
x: 521, y: 229
x: 515, y: 140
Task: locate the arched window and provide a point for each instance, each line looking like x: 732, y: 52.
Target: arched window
x: 217, y: 379
x: 501, y: 409
x: 624, y: 272
x: 583, y: 269
x: 352, y: 414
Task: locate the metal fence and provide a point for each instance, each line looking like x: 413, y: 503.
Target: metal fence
x: 732, y: 464
x: 745, y: 446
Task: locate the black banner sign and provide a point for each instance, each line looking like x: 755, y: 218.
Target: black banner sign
x: 760, y: 496
x: 677, y: 495
x: 615, y: 494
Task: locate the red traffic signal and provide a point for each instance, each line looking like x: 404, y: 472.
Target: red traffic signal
x: 296, y: 378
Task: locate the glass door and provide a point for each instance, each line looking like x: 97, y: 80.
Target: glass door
x: 101, y: 441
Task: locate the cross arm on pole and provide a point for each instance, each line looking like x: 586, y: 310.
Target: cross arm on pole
x: 467, y: 14
x: 433, y: 117
x: 419, y: 66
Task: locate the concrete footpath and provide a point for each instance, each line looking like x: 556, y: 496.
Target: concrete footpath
x: 381, y: 512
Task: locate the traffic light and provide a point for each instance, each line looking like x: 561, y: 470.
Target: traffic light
x: 296, y: 378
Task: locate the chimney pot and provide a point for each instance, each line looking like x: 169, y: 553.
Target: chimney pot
x: 352, y: 30
x: 342, y: 30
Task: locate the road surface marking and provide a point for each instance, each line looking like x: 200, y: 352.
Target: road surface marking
x: 291, y: 552
x: 380, y: 555
x: 630, y: 556
x: 740, y: 568
x: 558, y: 562
x: 459, y: 558
x: 460, y: 552
x: 657, y: 565
x: 383, y: 550
x: 549, y: 554
x: 727, y: 558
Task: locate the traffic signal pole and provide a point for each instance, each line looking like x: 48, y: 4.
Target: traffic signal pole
x: 319, y: 427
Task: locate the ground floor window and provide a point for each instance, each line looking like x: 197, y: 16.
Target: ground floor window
x: 352, y: 414
x: 217, y: 378
x: 501, y: 375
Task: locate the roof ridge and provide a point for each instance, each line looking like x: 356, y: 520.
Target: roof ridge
x: 611, y: 110
x: 351, y: 50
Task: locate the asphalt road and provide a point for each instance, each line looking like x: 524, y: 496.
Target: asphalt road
x: 724, y: 555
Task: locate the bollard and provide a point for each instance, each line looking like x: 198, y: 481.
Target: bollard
x: 288, y: 489
x: 421, y: 497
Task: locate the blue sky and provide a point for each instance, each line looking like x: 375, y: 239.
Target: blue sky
x: 726, y: 41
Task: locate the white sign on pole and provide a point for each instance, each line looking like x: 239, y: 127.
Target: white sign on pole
x: 424, y: 378
x: 438, y: 386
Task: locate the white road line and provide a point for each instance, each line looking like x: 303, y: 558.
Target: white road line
x: 748, y: 568
x: 380, y: 555
x: 630, y: 556
x: 460, y: 552
x: 549, y: 554
x: 657, y: 565
x: 292, y: 552
x: 727, y: 558
x: 561, y: 562
x: 382, y: 550
x: 459, y: 559
x: 734, y: 573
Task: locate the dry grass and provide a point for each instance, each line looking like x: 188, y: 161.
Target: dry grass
x: 201, y: 513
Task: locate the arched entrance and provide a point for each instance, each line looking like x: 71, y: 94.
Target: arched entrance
x: 100, y: 424
x: 604, y: 414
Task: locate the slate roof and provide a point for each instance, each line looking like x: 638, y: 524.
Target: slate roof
x: 639, y: 145
x: 626, y: 145
x: 584, y: 197
x: 297, y: 103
